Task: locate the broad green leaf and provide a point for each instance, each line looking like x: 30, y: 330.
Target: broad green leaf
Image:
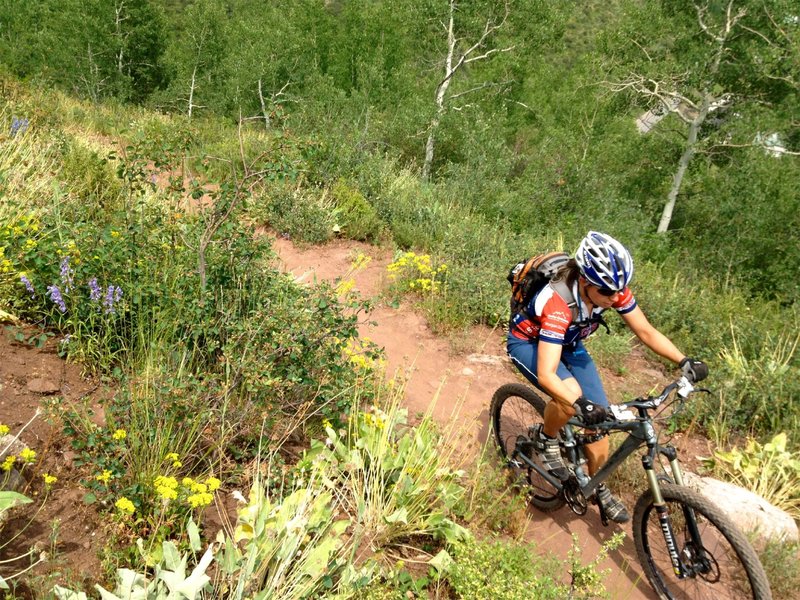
x: 171, y: 556
x: 441, y: 562
x: 194, y: 535
x: 317, y: 559
x: 8, y: 499
x: 398, y: 516
x: 65, y: 594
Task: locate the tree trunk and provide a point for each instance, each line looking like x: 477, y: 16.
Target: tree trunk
x: 683, y: 164
x: 263, y: 106
x: 441, y: 92
x: 191, y: 91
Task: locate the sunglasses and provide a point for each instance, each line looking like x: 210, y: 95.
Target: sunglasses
x: 606, y: 292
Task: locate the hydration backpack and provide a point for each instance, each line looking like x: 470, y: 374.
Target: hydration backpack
x: 528, y: 277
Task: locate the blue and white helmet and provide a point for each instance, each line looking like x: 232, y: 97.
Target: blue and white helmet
x: 604, y: 262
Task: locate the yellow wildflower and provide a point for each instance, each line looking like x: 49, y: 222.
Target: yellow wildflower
x: 199, y: 488
x: 8, y: 462
x: 27, y: 456
x: 120, y: 434
x: 104, y: 477
x: 4, y: 429
x: 125, y: 505
x: 173, y: 458
x: 213, y: 484
x: 168, y: 482
x: 49, y: 479
x: 200, y: 499
x: 187, y: 482
x: 114, y: 233
x: 167, y: 493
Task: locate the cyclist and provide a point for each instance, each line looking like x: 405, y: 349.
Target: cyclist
x: 545, y: 342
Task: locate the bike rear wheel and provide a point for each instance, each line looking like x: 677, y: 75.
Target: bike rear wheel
x: 514, y: 410
x: 724, y: 564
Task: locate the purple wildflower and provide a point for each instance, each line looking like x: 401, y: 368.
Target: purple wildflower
x: 94, y: 290
x: 28, y: 285
x: 57, y: 298
x: 66, y: 274
x: 113, y: 295
x: 18, y: 126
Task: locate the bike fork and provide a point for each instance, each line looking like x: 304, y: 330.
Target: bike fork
x: 663, y: 512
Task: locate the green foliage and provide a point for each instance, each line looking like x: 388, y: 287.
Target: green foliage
x: 358, y: 219
x: 288, y: 547
x: 770, y: 470
x: 508, y: 571
x: 396, y: 480
x: 304, y: 215
x: 169, y: 580
x: 89, y: 177
x: 587, y: 580
x: 779, y: 559
x: 490, y: 502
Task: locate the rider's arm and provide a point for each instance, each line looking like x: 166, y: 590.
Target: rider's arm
x: 548, y: 359
x: 650, y: 336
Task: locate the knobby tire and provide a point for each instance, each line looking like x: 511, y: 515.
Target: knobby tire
x: 735, y: 573
x: 514, y: 409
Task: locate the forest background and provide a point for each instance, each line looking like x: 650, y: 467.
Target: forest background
x: 476, y: 133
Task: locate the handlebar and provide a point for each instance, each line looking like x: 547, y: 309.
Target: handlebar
x: 683, y: 387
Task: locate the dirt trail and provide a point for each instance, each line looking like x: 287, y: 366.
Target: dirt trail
x: 464, y: 383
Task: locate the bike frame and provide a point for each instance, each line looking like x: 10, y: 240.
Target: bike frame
x: 640, y: 433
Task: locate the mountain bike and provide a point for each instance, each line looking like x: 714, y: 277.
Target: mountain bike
x: 687, y: 546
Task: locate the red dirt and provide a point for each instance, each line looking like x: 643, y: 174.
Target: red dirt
x: 24, y: 369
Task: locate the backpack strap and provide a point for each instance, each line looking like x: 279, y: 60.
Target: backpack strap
x: 564, y: 290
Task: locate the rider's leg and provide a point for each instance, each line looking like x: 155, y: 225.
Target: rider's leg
x: 596, y: 454
x: 556, y: 414
x: 582, y: 367
x: 523, y: 354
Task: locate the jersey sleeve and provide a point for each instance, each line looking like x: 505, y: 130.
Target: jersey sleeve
x: 625, y: 303
x: 555, y: 319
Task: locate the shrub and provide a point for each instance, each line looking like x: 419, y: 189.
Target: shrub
x: 90, y: 178
x: 306, y: 215
x: 358, y: 219
x: 396, y: 480
x: 770, y: 470
x: 506, y: 571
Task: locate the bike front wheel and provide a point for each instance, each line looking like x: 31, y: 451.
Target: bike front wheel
x: 515, y: 409
x: 720, y: 562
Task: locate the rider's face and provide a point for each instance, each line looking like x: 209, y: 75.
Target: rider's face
x: 602, y: 298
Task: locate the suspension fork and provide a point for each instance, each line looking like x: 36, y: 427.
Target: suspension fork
x: 661, y: 506
x: 691, y: 521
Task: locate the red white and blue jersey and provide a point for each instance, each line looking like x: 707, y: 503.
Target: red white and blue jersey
x: 548, y: 317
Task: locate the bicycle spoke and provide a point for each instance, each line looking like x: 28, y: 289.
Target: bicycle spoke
x: 514, y: 411
x: 716, y: 572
